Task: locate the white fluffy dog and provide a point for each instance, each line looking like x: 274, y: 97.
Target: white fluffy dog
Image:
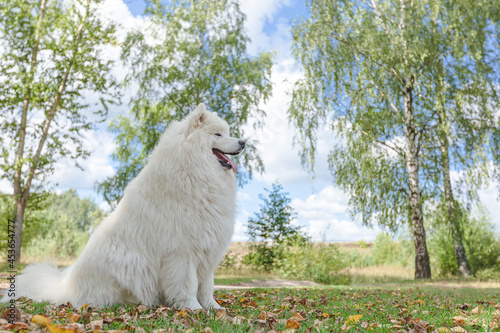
x: 167, y: 235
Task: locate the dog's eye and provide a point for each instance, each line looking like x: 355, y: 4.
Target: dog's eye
x: 218, y: 134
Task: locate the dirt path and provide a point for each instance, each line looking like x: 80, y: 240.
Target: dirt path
x: 274, y: 283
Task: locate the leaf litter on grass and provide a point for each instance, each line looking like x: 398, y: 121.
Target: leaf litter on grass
x: 325, y: 309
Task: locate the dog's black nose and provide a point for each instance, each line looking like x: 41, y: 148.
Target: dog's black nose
x: 242, y: 144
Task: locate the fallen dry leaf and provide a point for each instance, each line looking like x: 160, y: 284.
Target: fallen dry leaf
x: 17, y: 326
x: 41, y: 320
x: 345, y: 327
x: 458, y: 321
x: 96, y: 324
x: 476, y: 310
x: 298, y: 317
x: 11, y: 315
x: 238, y: 320
x: 73, y: 318
x: 353, y: 319
x: 290, y: 323
x: 62, y: 328
x: 142, y: 308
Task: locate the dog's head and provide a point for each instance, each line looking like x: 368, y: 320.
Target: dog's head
x: 215, y: 136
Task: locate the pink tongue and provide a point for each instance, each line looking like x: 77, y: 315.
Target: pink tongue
x: 224, y: 158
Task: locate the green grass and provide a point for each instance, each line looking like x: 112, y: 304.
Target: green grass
x: 229, y: 280
x: 325, y: 309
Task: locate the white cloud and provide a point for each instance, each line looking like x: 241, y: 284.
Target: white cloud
x: 489, y: 197
x: 326, y: 213
x: 275, y: 139
x: 6, y: 187
x: 105, y: 206
x: 258, y: 13
x: 340, y: 230
x: 118, y: 12
x: 241, y: 226
x: 330, y: 197
x: 96, y: 167
x: 242, y: 196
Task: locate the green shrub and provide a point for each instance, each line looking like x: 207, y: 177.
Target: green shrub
x: 55, y: 225
x: 354, y: 258
x: 385, y: 250
x: 482, y: 245
x: 271, y: 227
x: 362, y: 244
x: 229, y: 261
x: 390, y: 252
x: 307, y: 261
x: 261, y: 256
x: 489, y: 274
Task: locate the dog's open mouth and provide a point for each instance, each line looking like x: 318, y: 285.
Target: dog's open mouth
x: 225, y: 161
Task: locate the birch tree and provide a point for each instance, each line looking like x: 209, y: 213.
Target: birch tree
x: 191, y: 52
x: 393, y: 80
x: 50, y: 61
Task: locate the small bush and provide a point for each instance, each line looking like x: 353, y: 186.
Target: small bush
x: 482, y: 245
x: 390, y: 252
x: 261, y: 256
x: 307, y: 261
x: 356, y: 259
x: 363, y: 244
x: 271, y: 227
x: 229, y: 261
x: 489, y: 274
x: 385, y: 250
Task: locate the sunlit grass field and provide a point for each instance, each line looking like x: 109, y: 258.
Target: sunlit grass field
x: 381, y: 298
x: 319, y: 309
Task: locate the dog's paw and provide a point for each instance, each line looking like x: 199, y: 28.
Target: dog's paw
x: 189, y: 304
x: 213, y: 305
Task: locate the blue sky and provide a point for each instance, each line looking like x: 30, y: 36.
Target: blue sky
x: 321, y: 208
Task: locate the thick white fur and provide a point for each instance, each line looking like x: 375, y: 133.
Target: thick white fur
x: 167, y: 235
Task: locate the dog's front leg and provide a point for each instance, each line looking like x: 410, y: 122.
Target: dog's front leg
x: 179, y: 282
x: 206, y: 288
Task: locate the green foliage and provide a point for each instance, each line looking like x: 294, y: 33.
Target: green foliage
x: 229, y: 261
x: 35, y: 219
x: 68, y: 221
x: 65, y: 72
x: 362, y: 244
x: 481, y: 243
x: 178, y: 65
x: 385, y: 251
x: 355, y: 258
x: 56, y: 225
x: 489, y: 274
x: 359, y: 58
x: 308, y: 261
x: 55, y: 85
x: 262, y: 256
x: 271, y: 227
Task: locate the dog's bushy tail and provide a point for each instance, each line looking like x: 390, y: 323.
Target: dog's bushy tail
x: 40, y: 282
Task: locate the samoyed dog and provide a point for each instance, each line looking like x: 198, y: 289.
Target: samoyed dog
x: 167, y: 235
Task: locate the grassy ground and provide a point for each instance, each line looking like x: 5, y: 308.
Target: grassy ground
x: 380, y: 298
x: 418, y: 308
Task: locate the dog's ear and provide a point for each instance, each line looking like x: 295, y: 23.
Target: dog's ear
x: 197, y: 117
